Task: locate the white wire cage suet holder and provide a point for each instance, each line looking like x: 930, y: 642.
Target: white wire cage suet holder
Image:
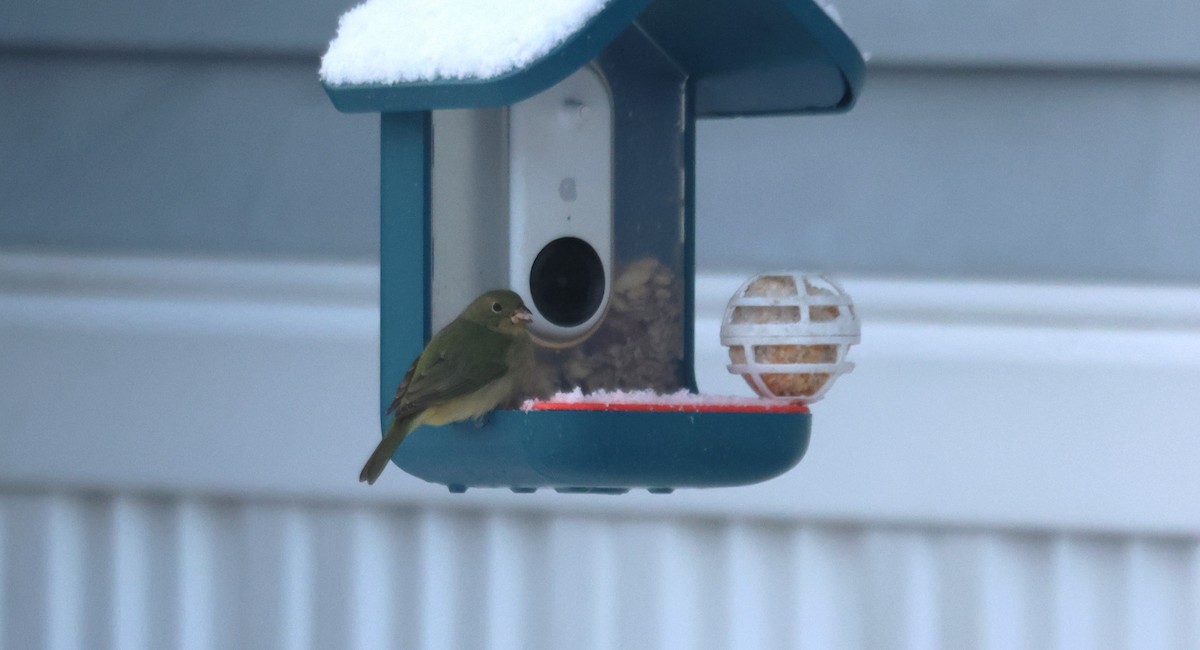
x: 789, y: 334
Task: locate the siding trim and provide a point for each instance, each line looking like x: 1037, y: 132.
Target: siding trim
x: 1066, y: 407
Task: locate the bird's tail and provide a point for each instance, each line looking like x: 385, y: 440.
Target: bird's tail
x: 397, y: 431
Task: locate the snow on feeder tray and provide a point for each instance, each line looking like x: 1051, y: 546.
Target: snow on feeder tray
x: 549, y: 149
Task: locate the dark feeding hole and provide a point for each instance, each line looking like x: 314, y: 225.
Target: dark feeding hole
x: 567, y: 281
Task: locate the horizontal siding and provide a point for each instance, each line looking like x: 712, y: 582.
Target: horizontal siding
x: 997, y: 405
x: 234, y: 157
x: 208, y: 501
x: 131, y: 571
x: 1011, y: 138
x: 946, y: 172
x: 302, y: 27
x: 1070, y: 33
x: 1026, y: 33
x: 965, y: 173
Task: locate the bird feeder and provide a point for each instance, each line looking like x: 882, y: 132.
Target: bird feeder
x: 549, y: 148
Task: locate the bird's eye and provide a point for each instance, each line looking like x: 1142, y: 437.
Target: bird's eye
x: 496, y: 307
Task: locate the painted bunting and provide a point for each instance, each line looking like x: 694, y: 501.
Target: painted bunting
x: 466, y: 370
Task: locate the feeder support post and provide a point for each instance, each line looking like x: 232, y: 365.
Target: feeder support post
x: 405, y: 161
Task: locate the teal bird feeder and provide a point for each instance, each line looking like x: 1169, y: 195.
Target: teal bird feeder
x: 549, y: 148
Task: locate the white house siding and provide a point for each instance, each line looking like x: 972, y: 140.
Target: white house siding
x: 177, y: 471
x: 100, y: 570
x: 187, y: 236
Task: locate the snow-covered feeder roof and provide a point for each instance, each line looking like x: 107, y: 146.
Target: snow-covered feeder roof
x: 744, y: 56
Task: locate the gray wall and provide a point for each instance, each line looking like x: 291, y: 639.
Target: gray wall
x: 181, y: 154
x: 951, y: 172
x: 1014, y: 140
x: 196, y: 128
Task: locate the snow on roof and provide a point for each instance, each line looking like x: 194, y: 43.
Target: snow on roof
x: 393, y: 41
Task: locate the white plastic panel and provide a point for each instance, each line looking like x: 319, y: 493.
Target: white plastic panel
x: 469, y: 204
x: 561, y: 183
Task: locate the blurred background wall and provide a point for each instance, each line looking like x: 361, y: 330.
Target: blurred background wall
x: 188, y: 236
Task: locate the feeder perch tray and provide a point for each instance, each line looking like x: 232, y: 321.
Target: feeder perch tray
x: 609, y: 449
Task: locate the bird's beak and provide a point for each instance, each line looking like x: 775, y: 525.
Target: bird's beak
x: 521, y: 316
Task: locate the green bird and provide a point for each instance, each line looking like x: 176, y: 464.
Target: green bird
x: 466, y: 370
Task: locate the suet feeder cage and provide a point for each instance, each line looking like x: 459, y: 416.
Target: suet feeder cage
x: 549, y: 149
x: 788, y: 334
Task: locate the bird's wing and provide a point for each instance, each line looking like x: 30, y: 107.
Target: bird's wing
x: 403, y: 387
x: 476, y: 359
